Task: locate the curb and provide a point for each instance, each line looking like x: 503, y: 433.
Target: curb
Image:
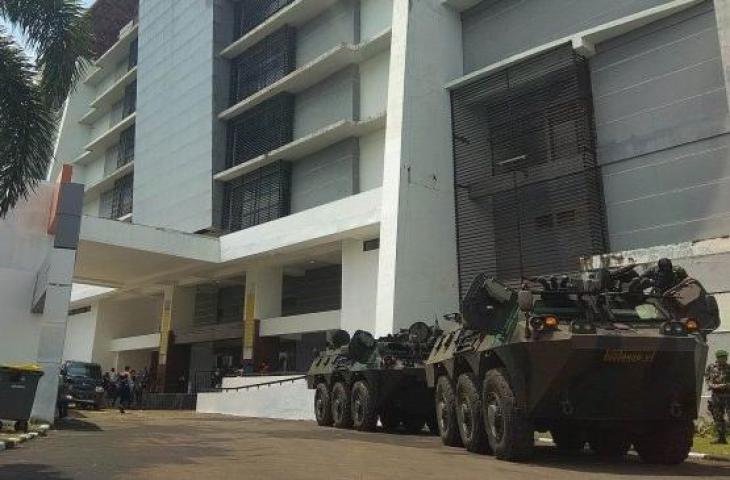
x: 699, y: 456
x: 9, y: 442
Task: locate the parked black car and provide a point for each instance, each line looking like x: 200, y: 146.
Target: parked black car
x: 83, y: 383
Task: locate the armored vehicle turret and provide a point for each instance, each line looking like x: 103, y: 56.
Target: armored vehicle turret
x: 600, y: 357
x: 361, y: 379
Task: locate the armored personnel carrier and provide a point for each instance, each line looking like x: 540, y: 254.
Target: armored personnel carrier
x: 361, y: 379
x: 595, y: 358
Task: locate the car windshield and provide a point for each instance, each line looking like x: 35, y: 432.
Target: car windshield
x: 83, y: 370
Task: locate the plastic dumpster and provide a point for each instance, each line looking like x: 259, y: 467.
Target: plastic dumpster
x: 18, y: 385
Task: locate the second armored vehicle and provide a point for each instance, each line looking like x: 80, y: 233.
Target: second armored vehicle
x: 361, y: 379
x: 593, y: 358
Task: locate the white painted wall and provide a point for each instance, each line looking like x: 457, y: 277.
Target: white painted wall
x: 359, y: 286
x: 80, y: 332
x: 374, y: 85
x: 370, y: 164
x: 375, y: 16
x: 72, y: 136
x: 417, y: 275
x: 308, y: 322
x: 291, y: 401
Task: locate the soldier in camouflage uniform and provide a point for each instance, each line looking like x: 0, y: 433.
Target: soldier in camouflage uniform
x: 718, y: 381
x: 664, y: 275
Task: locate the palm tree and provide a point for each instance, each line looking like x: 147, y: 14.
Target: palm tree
x: 32, y: 93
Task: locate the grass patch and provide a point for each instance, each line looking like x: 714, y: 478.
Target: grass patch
x: 702, y: 445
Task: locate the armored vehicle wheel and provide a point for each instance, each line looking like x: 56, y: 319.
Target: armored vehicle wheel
x: 341, y: 415
x: 610, y: 443
x: 446, y: 413
x: 390, y: 418
x: 568, y: 440
x: 364, y: 414
x: 469, y: 415
x: 668, y: 445
x: 510, y: 434
x: 322, y: 407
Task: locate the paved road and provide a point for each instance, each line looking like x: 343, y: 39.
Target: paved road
x: 182, y: 445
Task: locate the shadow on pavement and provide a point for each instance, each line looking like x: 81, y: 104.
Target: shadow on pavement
x: 31, y: 471
x: 76, y: 424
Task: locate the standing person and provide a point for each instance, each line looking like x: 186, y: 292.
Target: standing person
x: 124, y: 389
x: 62, y: 400
x: 718, y: 381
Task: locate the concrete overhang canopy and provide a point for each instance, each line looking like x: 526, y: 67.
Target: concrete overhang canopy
x: 121, y: 254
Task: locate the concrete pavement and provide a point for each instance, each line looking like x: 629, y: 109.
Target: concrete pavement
x: 184, y: 445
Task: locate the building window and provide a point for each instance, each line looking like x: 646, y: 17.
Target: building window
x: 372, y: 244
x: 263, y: 64
x: 260, y: 130
x: 258, y: 197
x: 133, y: 52
x: 215, y: 304
x: 129, y: 105
x: 529, y: 199
x: 250, y: 13
x: 126, y: 147
x: 123, y: 196
x: 78, y: 311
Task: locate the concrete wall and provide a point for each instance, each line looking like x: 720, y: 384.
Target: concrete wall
x: 370, y: 164
x: 80, y: 332
x: 326, y: 103
x: 359, y: 287
x: 336, y: 25
x: 123, y: 318
x: 72, y: 136
x: 417, y: 274
x: 292, y: 401
x: 662, y: 123
x: 522, y: 25
x: 326, y: 176
x: 374, y: 85
x: 375, y: 17
x: 174, y: 144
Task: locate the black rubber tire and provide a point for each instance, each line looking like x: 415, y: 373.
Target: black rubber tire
x: 413, y: 422
x: 341, y: 415
x: 21, y: 426
x: 362, y: 407
x: 469, y: 415
x: 323, y: 405
x: 668, y: 444
x: 390, y: 418
x: 610, y: 443
x: 446, y: 413
x: 510, y: 433
x: 568, y: 440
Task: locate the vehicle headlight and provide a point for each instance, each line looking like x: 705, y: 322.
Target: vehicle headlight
x: 98, y: 389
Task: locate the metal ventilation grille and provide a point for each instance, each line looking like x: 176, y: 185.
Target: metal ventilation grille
x: 122, y: 197
x: 258, y: 197
x: 126, y: 147
x: 260, y: 130
x: 130, y: 99
x: 272, y: 58
x: 529, y: 198
x: 205, y: 311
x: 250, y: 13
x: 133, y: 54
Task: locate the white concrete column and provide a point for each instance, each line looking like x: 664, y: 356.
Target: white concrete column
x: 417, y: 277
x: 53, y: 331
x: 722, y: 15
x: 263, y: 300
x: 359, y: 287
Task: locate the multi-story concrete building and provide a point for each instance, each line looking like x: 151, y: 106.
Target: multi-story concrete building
x: 261, y: 172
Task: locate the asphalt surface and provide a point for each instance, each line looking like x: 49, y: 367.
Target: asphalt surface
x: 185, y: 445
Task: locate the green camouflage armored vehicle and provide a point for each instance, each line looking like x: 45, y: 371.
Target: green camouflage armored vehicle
x: 361, y: 380
x: 599, y: 357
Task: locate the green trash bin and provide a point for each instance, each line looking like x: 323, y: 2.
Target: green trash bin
x: 18, y: 385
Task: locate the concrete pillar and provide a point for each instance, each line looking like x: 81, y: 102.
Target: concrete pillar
x: 417, y: 277
x: 359, y: 286
x: 178, y: 306
x: 263, y: 300
x: 722, y: 15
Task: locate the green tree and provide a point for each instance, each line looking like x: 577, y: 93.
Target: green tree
x: 32, y: 92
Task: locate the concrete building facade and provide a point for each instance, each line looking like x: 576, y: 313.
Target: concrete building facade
x: 260, y: 173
